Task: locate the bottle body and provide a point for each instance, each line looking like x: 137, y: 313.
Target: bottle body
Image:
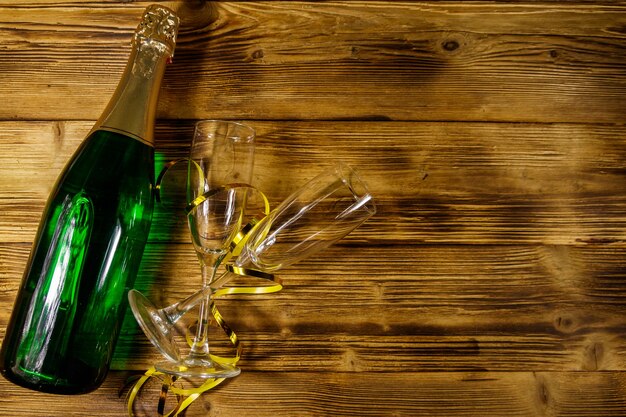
x: 89, y: 245
x: 70, y: 306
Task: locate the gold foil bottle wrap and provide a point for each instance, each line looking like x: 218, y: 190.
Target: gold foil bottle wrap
x: 157, y: 29
x: 132, y: 109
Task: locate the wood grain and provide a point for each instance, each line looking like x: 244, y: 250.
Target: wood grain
x: 492, y: 280
x: 423, y: 308
x: 364, y: 394
x: 434, y: 182
x: 290, y: 60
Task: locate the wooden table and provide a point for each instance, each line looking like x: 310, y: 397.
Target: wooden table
x: 492, y: 281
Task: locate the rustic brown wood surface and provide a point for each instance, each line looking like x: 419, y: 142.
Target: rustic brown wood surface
x: 492, y: 280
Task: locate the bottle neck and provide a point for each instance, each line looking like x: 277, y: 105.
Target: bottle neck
x: 132, y: 109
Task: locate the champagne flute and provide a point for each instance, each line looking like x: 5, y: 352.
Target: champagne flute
x: 323, y: 211
x: 221, y: 153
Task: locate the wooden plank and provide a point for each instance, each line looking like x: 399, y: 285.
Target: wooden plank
x: 411, y: 394
x: 364, y: 394
x: 434, y: 182
x: 421, y: 308
x: 337, y: 60
x: 444, y: 308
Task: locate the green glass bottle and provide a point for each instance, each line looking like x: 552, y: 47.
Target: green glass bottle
x: 70, y: 306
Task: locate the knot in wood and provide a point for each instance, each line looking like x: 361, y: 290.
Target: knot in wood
x: 450, y: 45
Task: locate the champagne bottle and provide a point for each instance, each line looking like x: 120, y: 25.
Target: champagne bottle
x: 70, y: 306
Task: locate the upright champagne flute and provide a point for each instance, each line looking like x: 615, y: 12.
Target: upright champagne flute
x: 323, y: 211
x: 222, y: 153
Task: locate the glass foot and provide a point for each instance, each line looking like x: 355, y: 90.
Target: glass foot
x: 198, y: 368
x: 154, y: 324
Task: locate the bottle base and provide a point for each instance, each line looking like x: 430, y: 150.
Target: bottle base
x: 47, y: 387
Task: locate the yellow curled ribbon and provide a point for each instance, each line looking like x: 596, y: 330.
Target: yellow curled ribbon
x: 186, y: 397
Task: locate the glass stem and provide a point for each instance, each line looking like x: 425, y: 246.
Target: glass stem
x: 200, y: 346
x: 175, y: 311
x: 209, y: 285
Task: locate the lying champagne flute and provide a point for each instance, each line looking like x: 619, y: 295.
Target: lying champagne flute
x: 323, y: 211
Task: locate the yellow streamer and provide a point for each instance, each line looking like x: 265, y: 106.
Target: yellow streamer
x: 187, y: 396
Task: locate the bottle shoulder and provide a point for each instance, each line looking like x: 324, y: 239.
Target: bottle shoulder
x: 112, y: 154
x: 116, y: 142
x: 107, y: 163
